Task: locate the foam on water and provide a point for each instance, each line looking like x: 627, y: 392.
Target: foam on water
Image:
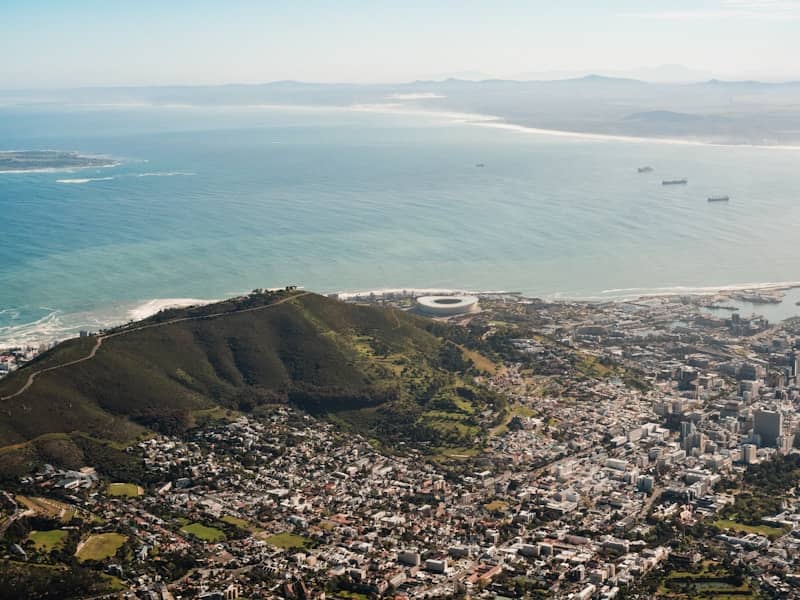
x: 84, y: 180
x: 166, y: 174
x: 151, y: 307
x: 154, y: 174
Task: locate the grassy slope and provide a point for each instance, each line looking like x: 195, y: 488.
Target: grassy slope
x: 47, y: 541
x: 204, y: 532
x: 326, y: 355
x: 100, y: 546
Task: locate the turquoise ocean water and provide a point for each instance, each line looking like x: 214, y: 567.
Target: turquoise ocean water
x: 212, y: 202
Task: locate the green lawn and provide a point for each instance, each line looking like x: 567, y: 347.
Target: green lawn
x: 451, y: 453
x: 514, y: 410
x: 350, y: 595
x: 288, y: 540
x: 713, y: 581
x: 128, y: 490
x: 204, y: 532
x: 47, y: 541
x: 240, y: 523
x: 100, y: 546
x: 765, y: 530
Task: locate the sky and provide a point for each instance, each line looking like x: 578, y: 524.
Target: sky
x: 66, y: 43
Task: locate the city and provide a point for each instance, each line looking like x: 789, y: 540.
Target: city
x: 630, y: 457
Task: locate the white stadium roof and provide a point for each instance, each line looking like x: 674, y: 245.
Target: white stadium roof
x: 447, y: 305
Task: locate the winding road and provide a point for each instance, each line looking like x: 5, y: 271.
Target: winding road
x: 101, y: 338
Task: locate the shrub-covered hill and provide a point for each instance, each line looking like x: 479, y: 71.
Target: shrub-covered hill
x: 380, y: 371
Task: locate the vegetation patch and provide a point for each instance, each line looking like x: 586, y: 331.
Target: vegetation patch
x: 46, y: 507
x: 288, y: 540
x: 765, y: 530
x: 515, y: 410
x: 236, y: 522
x: 450, y: 454
x: 348, y: 595
x: 242, y: 525
x: 372, y: 370
x: 710, y: 580
x: 28, y: 580
x: 47, y: 541
x: 480, y: 361
x: 100, y: 546
x: 128, y: 490
x: 204, y: 532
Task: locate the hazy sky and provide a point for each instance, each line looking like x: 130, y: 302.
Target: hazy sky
x: 94, y: 42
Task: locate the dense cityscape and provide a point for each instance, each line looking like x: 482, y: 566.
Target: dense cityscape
x: 645, y: 448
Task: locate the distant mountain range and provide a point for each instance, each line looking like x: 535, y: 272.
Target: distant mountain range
x: 659, y: 74
x: 734, y: 112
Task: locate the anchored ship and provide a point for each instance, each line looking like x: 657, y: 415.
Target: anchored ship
x: 719, y: 198
x: 675, y: 182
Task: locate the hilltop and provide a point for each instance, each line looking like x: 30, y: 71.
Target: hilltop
x: 378, y: 371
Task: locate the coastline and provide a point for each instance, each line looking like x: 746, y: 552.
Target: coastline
x: 56, y: 326
x: 603, y: 137
x: 467, y: 118
x: 499, y: 122
x: 616, y: 294
x: 53, y: 328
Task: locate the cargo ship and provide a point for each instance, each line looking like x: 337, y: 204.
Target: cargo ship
x: 675, y: 182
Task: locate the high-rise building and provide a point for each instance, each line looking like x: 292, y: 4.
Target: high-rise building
x: 785, y: 443
x: 769, y: 425
x: 749, y: 454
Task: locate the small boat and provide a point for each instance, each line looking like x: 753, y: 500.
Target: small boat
x: 675, y: 182
x: 645, y: 169
x: 719, y: 198
x: 481, y: 165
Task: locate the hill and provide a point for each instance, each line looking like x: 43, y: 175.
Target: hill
x: 379, y: 371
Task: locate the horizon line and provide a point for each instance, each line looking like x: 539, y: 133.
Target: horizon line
x: 588, y: 76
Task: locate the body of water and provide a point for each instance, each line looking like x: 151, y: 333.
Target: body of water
x: 210, y: 202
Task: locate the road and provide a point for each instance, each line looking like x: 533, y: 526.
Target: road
x: 102, y: 338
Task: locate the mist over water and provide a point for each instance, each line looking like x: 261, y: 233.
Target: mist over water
x: 211, y: 202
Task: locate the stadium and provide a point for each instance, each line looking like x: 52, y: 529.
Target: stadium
x: 446, y: 306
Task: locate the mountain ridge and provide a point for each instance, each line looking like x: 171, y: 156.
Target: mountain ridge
x: 375, y: 370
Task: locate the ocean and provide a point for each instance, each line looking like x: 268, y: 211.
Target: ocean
x: 211, y: 202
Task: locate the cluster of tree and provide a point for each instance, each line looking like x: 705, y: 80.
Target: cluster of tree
x: 174, y: 565
x: 451, y: 358
x: 19, y: 580
x: 776, y: 476
x: 165, y: 420
x: 116, y: 464
x: 318, y: 400
x: 249, y: 398
x: 750, y: 509
x: 469, y: 336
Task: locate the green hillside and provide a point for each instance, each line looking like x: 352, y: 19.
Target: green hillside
x: 375, y: 370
